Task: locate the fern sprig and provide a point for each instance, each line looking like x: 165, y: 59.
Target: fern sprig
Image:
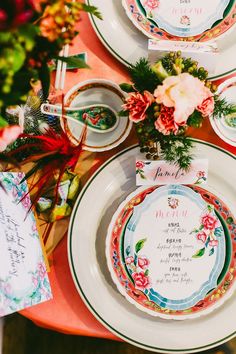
x: 143, y: 77
x: 222, y: 107
x: 177, y: 150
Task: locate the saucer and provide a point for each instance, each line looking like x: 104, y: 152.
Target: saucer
x: 98, y: 91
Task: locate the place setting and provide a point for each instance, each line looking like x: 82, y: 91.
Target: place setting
x: 136, y: 21
x: 161, y: 246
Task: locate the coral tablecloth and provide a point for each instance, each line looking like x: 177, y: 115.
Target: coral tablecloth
x: 66, y: 312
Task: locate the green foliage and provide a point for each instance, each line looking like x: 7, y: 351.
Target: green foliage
x: 92, y: 10
x: 143, y: 77
x: 223, y: 108
x: 195, y: 120
x: 126, y: 87
x: 3, y: 123
x: 176, y: 149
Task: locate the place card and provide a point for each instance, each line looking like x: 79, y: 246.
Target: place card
x: 23, y: 276
x: 151, y: 173
x: 205, y: 53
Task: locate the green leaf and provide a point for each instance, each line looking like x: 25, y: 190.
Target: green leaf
x: 139, y: 245
x: 74, y: 61
x: 195, y: 120
x: 127, y: 251
x: 146, y: 272
x: 3, y: 123
x: 207, y: 241
x: 126, y: 87
x: 218, y: 231
x: 199, y: 253
x: 211, y: 252
x: 92, y: 10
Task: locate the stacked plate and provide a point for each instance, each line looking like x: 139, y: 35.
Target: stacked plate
x: 131, y: 249
x: 166, y: 19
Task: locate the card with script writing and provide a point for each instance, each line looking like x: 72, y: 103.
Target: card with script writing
x: 23, y: 276
x: 166, y: 251
x: 151, y: 173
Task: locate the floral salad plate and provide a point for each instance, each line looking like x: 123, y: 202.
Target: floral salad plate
x: 166, y: 251
x: 197, y: 20
x: 86, y: 246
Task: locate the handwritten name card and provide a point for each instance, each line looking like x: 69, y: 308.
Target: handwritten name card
x: 151, y: 173
x: 206, y: 54
x: 23, y: 276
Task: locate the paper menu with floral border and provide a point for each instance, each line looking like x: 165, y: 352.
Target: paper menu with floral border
x: 166, y: 251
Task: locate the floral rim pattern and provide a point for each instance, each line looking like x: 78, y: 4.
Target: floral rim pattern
x: 153, y: 31
x: 136, y: 293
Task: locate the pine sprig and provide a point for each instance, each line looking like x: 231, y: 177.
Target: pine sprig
x: 177, y: 150
x: 143, y: 77
x: 222, y: 107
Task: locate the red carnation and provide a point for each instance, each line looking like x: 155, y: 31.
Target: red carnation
x: 165, y: 123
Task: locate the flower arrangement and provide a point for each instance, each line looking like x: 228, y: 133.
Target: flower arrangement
x: 164, y: 100
x: 32, y: 33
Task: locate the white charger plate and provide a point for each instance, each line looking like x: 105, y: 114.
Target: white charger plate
x: 109, y: 186
x: 128, y: 44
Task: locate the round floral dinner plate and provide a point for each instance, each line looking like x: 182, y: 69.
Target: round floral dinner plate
x: 222, y: 127
x: 197, y: 20
x: 128, y: 44
x: 109, y: 186
x: 170, y: 251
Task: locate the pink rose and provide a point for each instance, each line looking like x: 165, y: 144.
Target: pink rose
x: 165, y: 123
x: 137, y: 105
x: 202, y: 236
x: 129, y: 260
x: 143, y: 262
x: 8, y: 135
x: 152, y: 4
x: 213, y: 243
x: 207, y: 107
x: 141, y: 280
x: 209, y: 221
x: 139, y: 164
